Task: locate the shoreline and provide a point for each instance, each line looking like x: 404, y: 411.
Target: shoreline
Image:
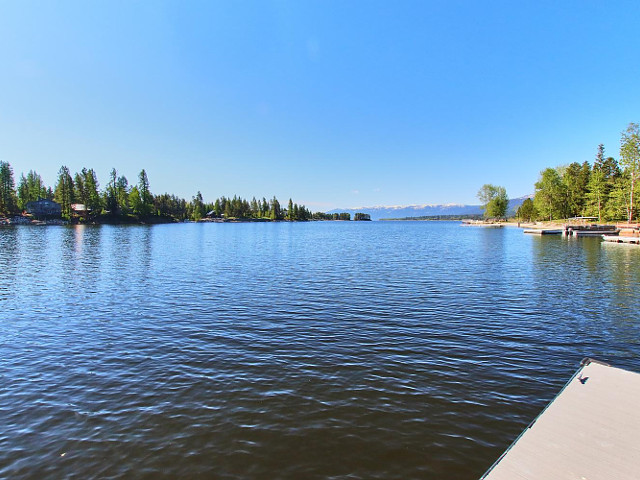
x: 151, y: 220
x: 23, y: 220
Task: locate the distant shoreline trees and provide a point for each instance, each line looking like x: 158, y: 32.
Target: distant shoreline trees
x: 81, y: 199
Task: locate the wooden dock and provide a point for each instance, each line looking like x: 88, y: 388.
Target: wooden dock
x: 590, y: 431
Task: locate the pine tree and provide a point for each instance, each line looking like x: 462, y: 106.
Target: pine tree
x: 79, y: 192
x: 122, y: 194
x: 30, y: 189
x: 198, y: 207
x: 111, y: 194
x: 91, y: 185
x: 146, y: 198
x: 64, y: 193
x: 8, y: 203
x: 276, y: 213
x: 290, y: 211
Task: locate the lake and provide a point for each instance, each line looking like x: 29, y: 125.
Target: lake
x: 323, y: 350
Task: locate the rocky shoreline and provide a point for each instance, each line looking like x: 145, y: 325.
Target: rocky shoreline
x: 20, y: 220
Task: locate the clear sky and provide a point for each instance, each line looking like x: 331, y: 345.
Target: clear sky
x: 333, y: 103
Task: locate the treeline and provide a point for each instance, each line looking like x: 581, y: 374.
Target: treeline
x: 121, y: 199
x: 332, y: 216
x: 607, y: 189
x: 237, y: 207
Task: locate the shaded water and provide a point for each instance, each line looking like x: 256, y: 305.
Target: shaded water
x: 321, y: 350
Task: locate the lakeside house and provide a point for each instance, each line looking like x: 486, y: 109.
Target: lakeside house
x: 212, y: 214
x: 80, y: 209
x: 44, y: 208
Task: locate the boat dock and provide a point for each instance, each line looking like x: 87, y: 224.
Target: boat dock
x: 575, y: 230
x: 591, y: 230
x: 590, y: 431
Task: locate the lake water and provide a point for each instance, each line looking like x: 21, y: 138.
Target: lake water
x: 325, y: 350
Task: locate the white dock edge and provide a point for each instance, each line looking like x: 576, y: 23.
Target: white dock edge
x: 590, y: 431
x: 627, y: 240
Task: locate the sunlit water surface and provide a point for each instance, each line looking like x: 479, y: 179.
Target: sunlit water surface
x: 391, y: 350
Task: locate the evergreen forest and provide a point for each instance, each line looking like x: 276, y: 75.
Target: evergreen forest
x: 82, y: 199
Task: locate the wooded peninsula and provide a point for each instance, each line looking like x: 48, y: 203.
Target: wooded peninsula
x: 78, y: 198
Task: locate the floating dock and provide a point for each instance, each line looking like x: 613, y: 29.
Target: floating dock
x: 480, y: 223
x: 591, y: 230
x: 590, y: 431
x: 544, y: 231
x: 577, y: 227
x: 593, y: 233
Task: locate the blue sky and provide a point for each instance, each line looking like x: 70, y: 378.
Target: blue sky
x: 332, y: 103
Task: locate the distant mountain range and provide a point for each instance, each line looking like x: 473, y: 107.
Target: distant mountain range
x: 404, y: 211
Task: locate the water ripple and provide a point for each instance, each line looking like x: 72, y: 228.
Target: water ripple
x: 321, y: 350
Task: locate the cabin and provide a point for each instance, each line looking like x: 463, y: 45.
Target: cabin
x: 212, y: 214
x: 80, y: 209
x: 43, y: 208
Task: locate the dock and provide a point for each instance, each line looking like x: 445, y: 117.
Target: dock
x: 576, y: 227
x: 544, y: 231
x: 591, y: 230
x: 590, y: 431
x: 481, y: 223
x: 592, y: 233
x: 576, y: 230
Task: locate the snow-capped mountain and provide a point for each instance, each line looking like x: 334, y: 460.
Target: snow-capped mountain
x: 404, y: 211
